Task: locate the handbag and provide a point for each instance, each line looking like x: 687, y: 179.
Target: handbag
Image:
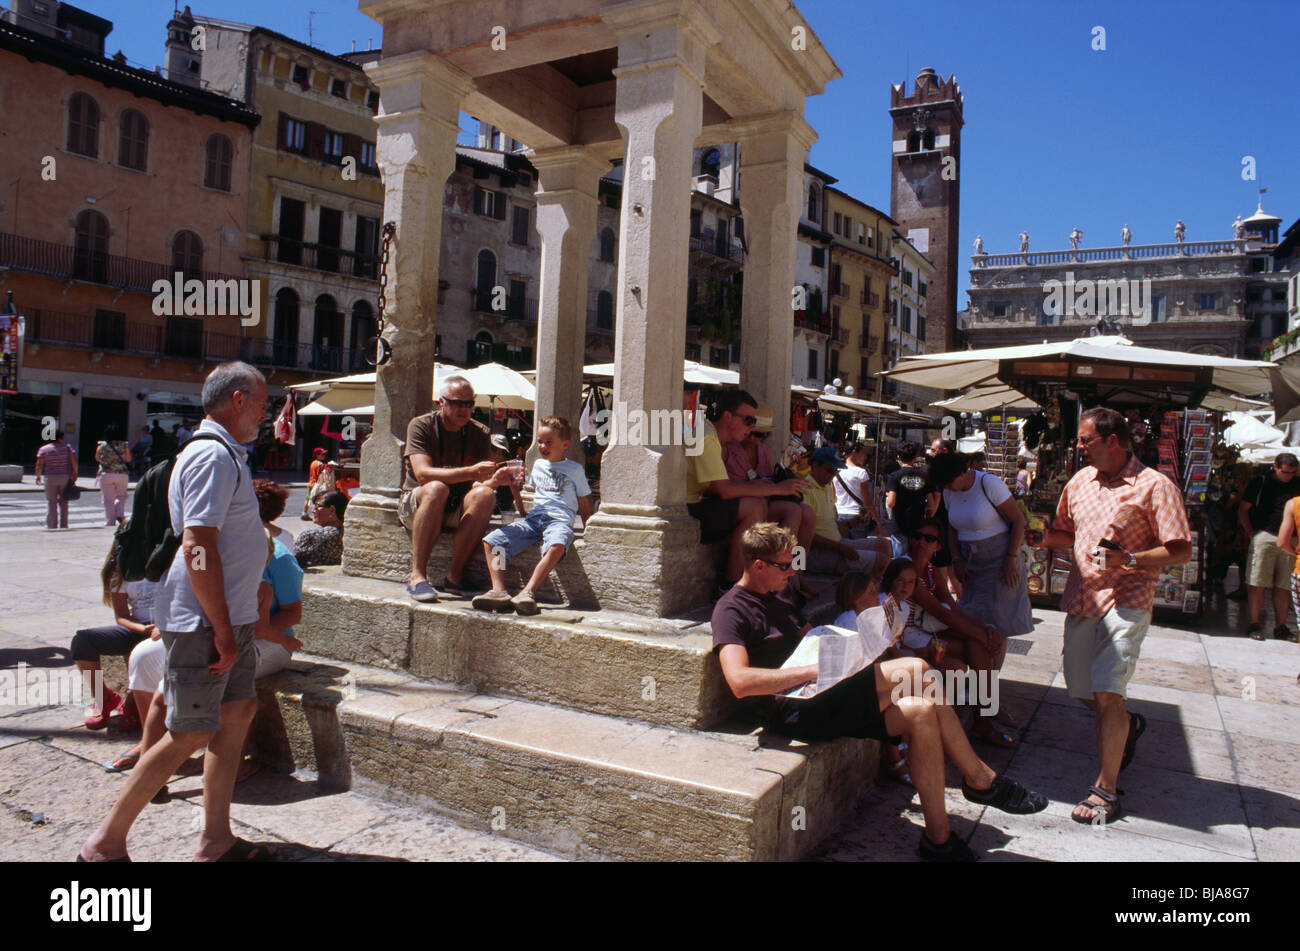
x: 71, y: 491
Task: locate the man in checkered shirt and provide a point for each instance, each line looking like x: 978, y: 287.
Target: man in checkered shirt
x: 1111, y: 591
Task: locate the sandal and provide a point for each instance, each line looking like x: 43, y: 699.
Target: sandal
x: 126, y: 760
x: 1137, y: 725
x: 992, y: 734
x: 244, y: 851
x: 1007, y: 795
x: 1107, y: 811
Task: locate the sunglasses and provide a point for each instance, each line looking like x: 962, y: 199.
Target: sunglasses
x: 459, y: 404
x: 922, y: 536
x: 749, y: 420
x: 783, y: 565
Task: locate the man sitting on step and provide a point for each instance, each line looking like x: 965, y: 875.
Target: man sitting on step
x: 449, y: 476
x: 756, y: 627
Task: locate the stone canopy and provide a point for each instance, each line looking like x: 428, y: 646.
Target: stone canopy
x: 583, y: 82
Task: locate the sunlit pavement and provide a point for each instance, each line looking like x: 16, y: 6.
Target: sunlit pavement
x: 1214, y: 778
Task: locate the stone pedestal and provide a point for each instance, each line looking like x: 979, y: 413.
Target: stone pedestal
x: 416, y: 150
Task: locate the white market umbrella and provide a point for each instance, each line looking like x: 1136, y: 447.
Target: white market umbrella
x: 963, y: 369
x: 991, y: 396
x: 344, y: 401
x: 697, y: 374
x: 495, y: 386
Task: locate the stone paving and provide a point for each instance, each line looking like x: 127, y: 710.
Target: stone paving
x: 1215, y: 778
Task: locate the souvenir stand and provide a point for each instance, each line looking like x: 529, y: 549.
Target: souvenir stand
x: 1166, y: 397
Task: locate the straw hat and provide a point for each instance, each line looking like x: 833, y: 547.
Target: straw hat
x: 765, y: 423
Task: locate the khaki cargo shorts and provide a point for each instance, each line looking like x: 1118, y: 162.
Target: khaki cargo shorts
x: 194, y: 695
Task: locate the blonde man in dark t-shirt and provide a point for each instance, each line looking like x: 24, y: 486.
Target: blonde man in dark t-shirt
x: 756, y: 627
x: 447, y: 470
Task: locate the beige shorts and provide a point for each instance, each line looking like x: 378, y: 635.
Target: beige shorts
x: 451, y: 518
x: 1100, y: 654
x: 1270, y: 566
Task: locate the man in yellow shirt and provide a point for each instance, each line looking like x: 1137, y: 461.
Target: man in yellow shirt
x: 833, y: 554
x: 725, y: 509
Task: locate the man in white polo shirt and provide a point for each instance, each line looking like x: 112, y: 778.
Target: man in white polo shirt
x: 206, y: 609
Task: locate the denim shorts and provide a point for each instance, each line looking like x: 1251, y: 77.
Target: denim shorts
x: 524, y: 533
x: 194, y: 695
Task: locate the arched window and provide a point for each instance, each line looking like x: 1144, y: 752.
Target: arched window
x: 284, y: 351
x: 914, y: 142
x: 607, y: 245
x: 90, y: 251
x: 927, y: 139
x: 187, y: 254
x: 814, y: 205
x: 711, y: 163
x: 327, y: 335
x: 216, y: 168
x: 480, y: 349
x: 133, y: 140
x: 485, y: 280
x: 605, y: 311
x: 363, y: 328
x: 83, y: 125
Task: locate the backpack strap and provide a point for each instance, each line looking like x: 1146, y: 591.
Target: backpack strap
x: 979, y: 477
x: 239, y: 466
x: 852, y: 494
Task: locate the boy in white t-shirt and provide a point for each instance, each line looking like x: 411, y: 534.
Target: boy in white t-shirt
x: 561, y: 492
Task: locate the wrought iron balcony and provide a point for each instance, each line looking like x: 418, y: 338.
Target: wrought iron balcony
x: 71, y: 263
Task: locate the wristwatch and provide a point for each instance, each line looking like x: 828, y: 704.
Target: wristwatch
x: 1132, y: 560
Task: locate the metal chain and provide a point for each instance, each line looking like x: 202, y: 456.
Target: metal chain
x: 377, y: 345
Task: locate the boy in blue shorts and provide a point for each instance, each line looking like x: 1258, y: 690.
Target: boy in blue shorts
x: 561, y: 492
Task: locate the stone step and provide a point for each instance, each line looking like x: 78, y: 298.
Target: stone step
x: 612, y: 663
x: 580, y: 784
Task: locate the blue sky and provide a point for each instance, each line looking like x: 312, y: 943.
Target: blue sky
x: 1058, y: 135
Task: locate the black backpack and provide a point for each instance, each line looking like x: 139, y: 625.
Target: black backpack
x: 145, y: 542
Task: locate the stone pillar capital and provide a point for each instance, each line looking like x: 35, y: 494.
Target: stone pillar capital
x: 567, y: 168
x: 418, y: 82
x: 751, y: 130
x: 657, y: 33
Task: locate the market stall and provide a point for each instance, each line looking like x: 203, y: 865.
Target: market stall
x: 1168, y: 398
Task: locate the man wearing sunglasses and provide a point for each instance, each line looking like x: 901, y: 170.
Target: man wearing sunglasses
x: 449, y: 476
x: 756, y: 627
x: 725, y: 509
x: 834, y: 553
x: 1123, y: 522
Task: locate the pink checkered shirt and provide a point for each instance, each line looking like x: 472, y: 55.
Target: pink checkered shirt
x: 1140, y: 509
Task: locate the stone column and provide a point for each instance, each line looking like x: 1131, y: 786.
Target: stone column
x: 642, y: 548
x: 772, y: 150
x: 568, y: 179
x: 416, y: 151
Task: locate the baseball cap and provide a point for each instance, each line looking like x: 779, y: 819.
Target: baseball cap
x: 827, y: 455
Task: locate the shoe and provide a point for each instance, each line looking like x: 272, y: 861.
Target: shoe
x: 122, y: 763
x: 954, y: 850
x: 494, y: 600
x: 97, y: 721
x: 1283, y: 633
x: 422, y: 591
x: 1255, y: 632
x: 455, y: 589
x: 128, y: 717
x: 525, y: 603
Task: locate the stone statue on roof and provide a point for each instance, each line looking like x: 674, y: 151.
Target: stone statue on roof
x: 1126, y: 236
x: 1180, y: 231
x: 1024, y: 241
x: 1075, y: 237
x: 979, y: 241
x: 1239, y: 228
